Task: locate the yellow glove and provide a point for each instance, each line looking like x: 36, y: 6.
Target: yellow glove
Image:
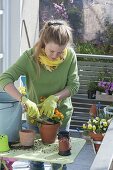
x: 49, y: 105
x: 31, y: 107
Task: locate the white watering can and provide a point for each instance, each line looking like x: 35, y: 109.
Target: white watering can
x: 10, y: 117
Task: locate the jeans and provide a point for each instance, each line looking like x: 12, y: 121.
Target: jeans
x: 40, y: 165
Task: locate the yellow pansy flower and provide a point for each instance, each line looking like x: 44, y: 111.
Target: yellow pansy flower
x: 89, y: 126
x: 84, y: 126
x: 22, y: 90
x: 105, y: 124
x: 94, y: 127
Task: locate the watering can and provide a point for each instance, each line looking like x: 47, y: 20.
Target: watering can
x: 10, y: 117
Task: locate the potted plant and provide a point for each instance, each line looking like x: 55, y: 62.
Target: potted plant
x: 92, y: 87
x: 105, y: 90
x: 49, y: 127
x: 105, y: 86
x: 96, y: 128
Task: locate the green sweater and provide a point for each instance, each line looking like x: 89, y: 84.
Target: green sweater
x: 41, y: 82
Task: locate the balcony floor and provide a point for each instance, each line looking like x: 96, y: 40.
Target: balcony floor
x: 85, y: 157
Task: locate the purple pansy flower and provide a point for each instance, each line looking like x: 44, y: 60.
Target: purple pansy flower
x: 106, y: 86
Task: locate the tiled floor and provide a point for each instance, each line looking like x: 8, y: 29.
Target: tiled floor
x: 85, y: 157
x: 82, y: 162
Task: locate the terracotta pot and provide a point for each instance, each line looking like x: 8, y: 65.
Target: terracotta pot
x: 97, y: 139
x: 27, y: 137
x: 48, y: 132
x: 93, y: 110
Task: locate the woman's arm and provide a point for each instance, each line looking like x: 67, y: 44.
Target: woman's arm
x: 63, y: 94
x: 31, y: 107
x: 12, y: 90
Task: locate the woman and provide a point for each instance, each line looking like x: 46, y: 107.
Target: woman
x: 51, y: 71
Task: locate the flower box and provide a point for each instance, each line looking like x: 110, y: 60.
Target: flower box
x: 103, y: 96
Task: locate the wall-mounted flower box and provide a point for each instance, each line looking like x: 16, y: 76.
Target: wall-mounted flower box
x: 104, y: 96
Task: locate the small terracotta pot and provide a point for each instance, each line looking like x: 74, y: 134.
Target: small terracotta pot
x: 97, y: 139
x: 48, y: 132
x: 27, y: 137
x: 93, y: 110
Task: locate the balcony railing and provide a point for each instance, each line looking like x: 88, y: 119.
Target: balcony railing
x: 88, y: 70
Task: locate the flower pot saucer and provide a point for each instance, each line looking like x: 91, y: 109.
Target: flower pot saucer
x: 19, y: 146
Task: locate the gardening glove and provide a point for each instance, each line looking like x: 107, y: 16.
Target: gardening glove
x: 49, y: 105
x: 31, y: 107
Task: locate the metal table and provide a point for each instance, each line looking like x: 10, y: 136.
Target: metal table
x: 46, y: 153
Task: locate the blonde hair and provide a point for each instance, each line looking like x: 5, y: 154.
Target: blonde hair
x: 56, y: 31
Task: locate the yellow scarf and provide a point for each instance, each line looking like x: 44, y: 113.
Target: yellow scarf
x: 51, y: 65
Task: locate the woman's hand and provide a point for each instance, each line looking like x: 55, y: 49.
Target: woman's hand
x: 31, y: 107
x: 49, y: 105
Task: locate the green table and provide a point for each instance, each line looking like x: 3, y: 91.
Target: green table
x: 47, y: 153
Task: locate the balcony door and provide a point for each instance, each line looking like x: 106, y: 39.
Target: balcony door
x: 9, y: 33
x: 1, y: 36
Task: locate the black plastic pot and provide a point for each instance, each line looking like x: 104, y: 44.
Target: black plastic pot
x: 91, y: 94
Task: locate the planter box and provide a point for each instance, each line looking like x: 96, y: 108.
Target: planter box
x: 104, y: 97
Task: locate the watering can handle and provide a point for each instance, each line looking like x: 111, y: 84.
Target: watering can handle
x: 11, y: 105
x: 105, y: 108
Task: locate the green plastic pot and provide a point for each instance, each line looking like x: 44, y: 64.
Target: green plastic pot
x: 4, y: 146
